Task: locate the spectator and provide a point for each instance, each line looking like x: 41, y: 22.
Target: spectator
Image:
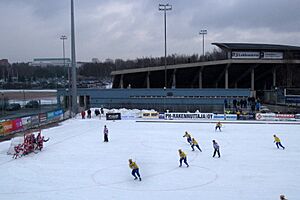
x: 257, y: 105
x: 89, y: 114
x: 97, y: 112
x: 225, y: 103
x: 83, y: 114
x: 234, y: 101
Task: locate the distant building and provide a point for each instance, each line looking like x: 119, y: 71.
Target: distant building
x: 44, y: 62
x: 4, y: 62
x: 95, y: 60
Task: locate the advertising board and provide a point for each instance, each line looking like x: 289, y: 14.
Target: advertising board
x: 42, y: 118
x: 193, y: 116
x: 275, y: 117
x: 113, y: 116
x: 26, y: 121
x: 16, y: 124
x: 150, y: 115
x: 272, y: 55
x: 245, y: 55
x: 265, y: 116
x: 35, y: 120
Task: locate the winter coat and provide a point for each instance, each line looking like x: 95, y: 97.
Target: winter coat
x: 194, y: 142
x: 182, y: 154
x: 133, y: 165
x: 276, y: 139
x: 216, y: 146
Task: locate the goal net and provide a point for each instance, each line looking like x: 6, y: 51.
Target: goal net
x: 14, y: 142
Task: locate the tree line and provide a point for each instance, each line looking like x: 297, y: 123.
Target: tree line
x: 24, y: 72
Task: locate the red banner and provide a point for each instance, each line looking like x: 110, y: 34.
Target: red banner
x: 17, y: 124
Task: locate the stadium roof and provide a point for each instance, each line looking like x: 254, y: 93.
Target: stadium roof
x: 253, y: 46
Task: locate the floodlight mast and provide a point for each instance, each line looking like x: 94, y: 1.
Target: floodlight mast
x: 203, y: 32
x: 165, y: 8
x: 74, y: 86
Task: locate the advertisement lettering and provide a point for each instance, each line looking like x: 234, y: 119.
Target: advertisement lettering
x: 17, y: 124
x: 265, y: 116
x: 5, y: 127
x: 272, y: 55
x: 150, y: 115
x: 35, y: 120
x: 113, y: 116
x: 43, y: 117
x: 193, y: 116
x: 26, y: 121
x: 245, y: 55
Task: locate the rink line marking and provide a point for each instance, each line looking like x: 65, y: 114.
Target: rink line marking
x: 50, y: 190
x: 110, y: 185
x: 224, y: 122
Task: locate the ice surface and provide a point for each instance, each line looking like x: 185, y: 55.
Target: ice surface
x: 77, y: 164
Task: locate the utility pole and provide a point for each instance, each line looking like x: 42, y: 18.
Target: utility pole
x: 165, y: 8
x: 203, y: 32
x: 74, y: 86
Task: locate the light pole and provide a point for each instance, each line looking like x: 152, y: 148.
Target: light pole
x: 74, y: 86
x: 2, y: 103
x: 203, y: 32
x: 165, y: 8
x: 63, y: 38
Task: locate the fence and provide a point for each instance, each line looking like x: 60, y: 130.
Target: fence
x: 27, y: 122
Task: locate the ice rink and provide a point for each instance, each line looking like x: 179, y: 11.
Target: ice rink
x: 77, y: 165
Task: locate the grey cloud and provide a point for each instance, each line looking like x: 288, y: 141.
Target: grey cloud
x: 134, y: 28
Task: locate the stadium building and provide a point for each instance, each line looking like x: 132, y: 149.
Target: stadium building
x: 249, y: 70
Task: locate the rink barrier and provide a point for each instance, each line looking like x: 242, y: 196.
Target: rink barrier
x: 13, y: 126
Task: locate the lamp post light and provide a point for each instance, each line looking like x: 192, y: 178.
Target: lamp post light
x: 165, y: 8
x: 203, y: 32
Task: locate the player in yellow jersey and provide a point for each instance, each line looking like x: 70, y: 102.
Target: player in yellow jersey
x: 218, y: 126
x: 195, y: 143
x: 188, y: 137
x: 278, y: 142
x: 183, y: 158
x: 135, y: 170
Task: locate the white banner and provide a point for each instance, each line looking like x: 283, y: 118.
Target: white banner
x: 265, y: 116
x: 245, y: 55
x: 193, y: 116
x: 272, y: 55
x: 26, y: 120
x: 275, y: 117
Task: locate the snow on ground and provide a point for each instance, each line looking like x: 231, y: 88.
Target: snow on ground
x: 76, y: 164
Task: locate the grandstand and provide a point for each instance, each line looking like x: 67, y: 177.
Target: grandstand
x: 249, y: 69
x: 254, y: 66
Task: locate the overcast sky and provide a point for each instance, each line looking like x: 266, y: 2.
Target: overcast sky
x: 129, y: 29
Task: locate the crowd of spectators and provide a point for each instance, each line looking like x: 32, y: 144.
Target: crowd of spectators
x: 242, y: 105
